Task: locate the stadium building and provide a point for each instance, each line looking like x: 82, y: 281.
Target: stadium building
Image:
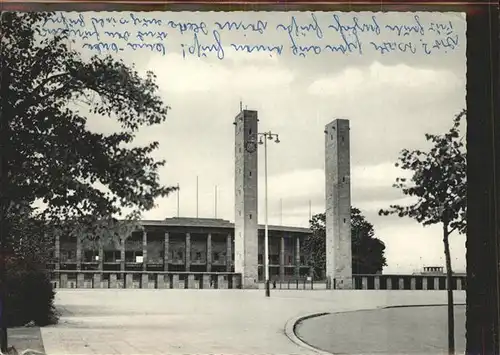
x: 194, y: 245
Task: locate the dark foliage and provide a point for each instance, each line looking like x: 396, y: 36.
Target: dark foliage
x: 30, y: 297
x: 367, y: 251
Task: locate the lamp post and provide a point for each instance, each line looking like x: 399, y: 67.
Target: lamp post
x: 263, y: 138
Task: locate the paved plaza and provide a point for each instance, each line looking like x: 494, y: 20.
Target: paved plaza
x: 141, y: 321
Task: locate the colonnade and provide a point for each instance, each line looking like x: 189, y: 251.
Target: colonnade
x: 101, y: 264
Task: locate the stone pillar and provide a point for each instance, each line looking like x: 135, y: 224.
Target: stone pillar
x: 282, y: 258
x: 122, y: 255
x: 187, y: 257
x: 229, y: 253
x: 436, y: 283
x: 364, y: 283
x: 80, y: 280
x: 297, y: 257
x: 424, y: 283
x: 376, y: 283
x: 160, y: 281
x: 129, y: 281
x: 236, y: 281
x: 175, y: 281
x: 97, y: 280
x: 144, y: 251
x: 144, y: 280
x: 338, y: 204
x: 209, y: 252
x: 166, y: 251
x: 64, y: 280
x: 459, y: 283
x: 220, y: 282
x: 166, y: 279
x: 246, y: 198
x: 113, y: 283
x: 78, y: 252
x: 191, y: 281
x: 413, y: 284
x: 206, y: 281
x: 101, y: 257
x: 389, y: 283
x: 57, y: 251
x: 401, y: 285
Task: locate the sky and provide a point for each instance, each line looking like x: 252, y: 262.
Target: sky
x: 391, y: 100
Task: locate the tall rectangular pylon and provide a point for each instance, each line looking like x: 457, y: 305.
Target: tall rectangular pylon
x: 246, y: 198
x: 338, y: 204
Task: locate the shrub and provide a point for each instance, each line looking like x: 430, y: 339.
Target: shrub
x: 29, y: 294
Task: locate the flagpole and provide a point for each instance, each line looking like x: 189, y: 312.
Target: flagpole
x: 281, y: 211
x: 196, y: 196
x: 178, y: 190
x: 215, y: 201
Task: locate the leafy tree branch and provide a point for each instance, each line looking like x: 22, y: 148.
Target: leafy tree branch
x: 48, y: 152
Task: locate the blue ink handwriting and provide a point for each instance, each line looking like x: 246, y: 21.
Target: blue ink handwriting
x: 259, y: 26
x: 200, y: 50
x: 306, y: 35
x: 257, y: 48
x: 406, y: 30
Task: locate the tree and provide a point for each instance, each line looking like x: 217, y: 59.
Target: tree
x: 439, y: 186
x: 367, y: 251
x: 30, y: 241
x: 47, y: 152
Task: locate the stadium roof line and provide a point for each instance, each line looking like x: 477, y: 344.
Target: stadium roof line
x: 214, y: 223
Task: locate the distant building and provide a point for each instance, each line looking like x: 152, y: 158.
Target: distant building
x: 433, y: 270
x: 436, y: 270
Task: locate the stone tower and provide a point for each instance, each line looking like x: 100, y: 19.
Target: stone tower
x: 246, y: 198
x: 338, y: 204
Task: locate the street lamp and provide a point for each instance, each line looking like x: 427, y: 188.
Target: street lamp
x: 263, y: 138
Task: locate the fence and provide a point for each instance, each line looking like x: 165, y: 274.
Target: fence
x: 204, y: 280
x: 144, y: 279
x: 378, y: 282
x: 408, y: 282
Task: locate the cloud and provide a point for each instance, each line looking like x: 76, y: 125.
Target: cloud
x: 303, y: 183
x: 383, y: 174
x: 262, y: 58
x: 379, y: 78
x: 298, y: 183
x: 376, y: 205
x: 179, y: 75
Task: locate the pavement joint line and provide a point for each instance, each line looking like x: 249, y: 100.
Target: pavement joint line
x: 291, y: 324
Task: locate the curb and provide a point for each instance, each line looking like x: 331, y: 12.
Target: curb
x: 291, y: 324
x: 32, y: 352
x: 290, y: 327
x: 424, y: 305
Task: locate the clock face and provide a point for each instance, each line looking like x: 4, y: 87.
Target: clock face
x: 251, y: 146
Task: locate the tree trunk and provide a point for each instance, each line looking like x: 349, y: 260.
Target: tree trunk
x: 4, y: 139
x: 449, y: 290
